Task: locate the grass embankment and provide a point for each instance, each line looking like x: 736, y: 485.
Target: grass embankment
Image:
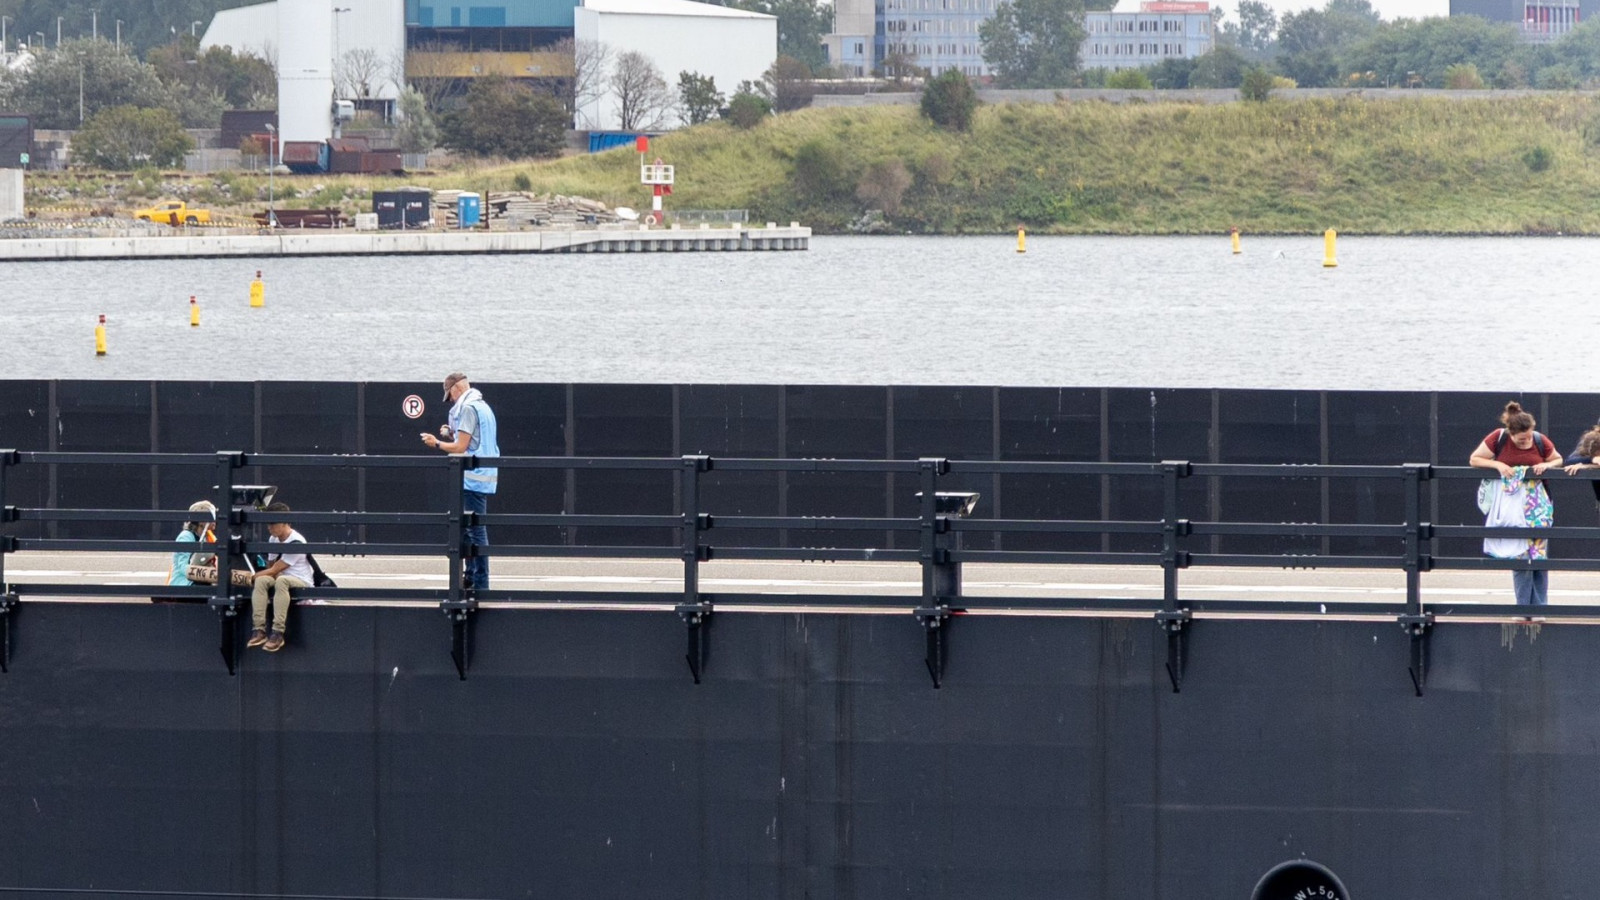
x: 1404, y: 166
x: 1502, y: 166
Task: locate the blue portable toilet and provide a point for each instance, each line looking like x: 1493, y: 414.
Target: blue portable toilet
x: 469, y: 210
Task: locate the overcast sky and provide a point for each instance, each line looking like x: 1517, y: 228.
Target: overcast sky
x: 1389, y: 9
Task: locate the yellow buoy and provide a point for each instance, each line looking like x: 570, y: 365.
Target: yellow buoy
x: 1328, y: 240
x: 100, y: 337
x: 258, y: 291
x: 194, y: 313
x: 1022, y: 240
x: 1236, y: 241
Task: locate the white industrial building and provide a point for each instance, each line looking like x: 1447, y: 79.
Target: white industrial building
x: 730, y: 45
x: 248, y: 29
x: 315, y: 44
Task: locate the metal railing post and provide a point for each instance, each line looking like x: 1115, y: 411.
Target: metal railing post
x: 1173, y: 619
x: 8, y: 458
x: 457, y: 605
x: 941, y: 578
x: 8, y: 543
x: 696, y: 613
x: 223, y: 597
x: 1417, y: 623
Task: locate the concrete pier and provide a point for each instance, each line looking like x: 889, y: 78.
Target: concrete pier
x: 394, y: 243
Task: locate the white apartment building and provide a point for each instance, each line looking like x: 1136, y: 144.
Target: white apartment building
x: 1160, y: 30
x: 943, y: 34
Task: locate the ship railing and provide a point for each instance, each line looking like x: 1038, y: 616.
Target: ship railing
x: 944, y: 520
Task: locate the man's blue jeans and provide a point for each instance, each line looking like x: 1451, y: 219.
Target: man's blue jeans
x: 477, y: 575
x: 1531, y: 586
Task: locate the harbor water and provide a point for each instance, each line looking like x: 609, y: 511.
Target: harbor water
x: 1416, y: 313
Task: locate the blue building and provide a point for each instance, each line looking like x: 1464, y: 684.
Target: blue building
x: 520, y: 25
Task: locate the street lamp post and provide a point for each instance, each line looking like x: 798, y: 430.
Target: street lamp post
x: 58, y: 29
x: 272, y: 211
x: 192, y: 26
x: 3, y: 21
x: 338, y: 70
x: 94, y: 24
x: 119, y: 35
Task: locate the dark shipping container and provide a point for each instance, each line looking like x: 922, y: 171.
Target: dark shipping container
x: 403, y: 209
x: 16, y: 141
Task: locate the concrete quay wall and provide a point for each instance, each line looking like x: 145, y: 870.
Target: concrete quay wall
x: 348, y: 243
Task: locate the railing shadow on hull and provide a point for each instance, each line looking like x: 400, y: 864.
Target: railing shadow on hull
x: 943, y: 517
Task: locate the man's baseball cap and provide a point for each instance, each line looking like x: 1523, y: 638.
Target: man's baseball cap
x: 450, y: 382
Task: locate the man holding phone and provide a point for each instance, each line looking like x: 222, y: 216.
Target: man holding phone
x: 471, y: 429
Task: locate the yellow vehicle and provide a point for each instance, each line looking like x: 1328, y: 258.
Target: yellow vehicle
x: 174, y: 212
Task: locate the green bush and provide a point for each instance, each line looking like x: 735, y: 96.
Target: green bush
x: 820, y: 172
x: 948, y: 101
x: 504, y: 118
x: 1223, y: 67
x: 1591, y: 131
x: 747, y: 109
x: 698, y: 96
x: 146, y: 183
x: 126, y: 137
x: 1512, y: 75
x: 1128, y: 80
x: 1037, y: 204
x: 329, y: 197
x: 936, y: 169
x: 1463, y: 77
x: 418, y: 133
x: 1256, y: 86
x: 1559, y: 77
x: 1538, y: 158
x: 521, y: 182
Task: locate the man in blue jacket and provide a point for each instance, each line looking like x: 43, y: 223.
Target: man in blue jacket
x: 471, y: 430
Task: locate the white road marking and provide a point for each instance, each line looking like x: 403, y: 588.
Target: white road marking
x: 784, y: 586
x: 893, y: 581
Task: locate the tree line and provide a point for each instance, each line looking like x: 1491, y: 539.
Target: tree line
x: 1345, y: 43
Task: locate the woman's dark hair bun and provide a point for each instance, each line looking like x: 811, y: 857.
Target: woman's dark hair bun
x: 1515, y: 419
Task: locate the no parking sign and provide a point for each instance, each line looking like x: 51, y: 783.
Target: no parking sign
x: 413, y: 407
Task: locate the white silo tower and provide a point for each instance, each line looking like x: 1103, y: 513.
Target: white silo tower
x: 305, y: 70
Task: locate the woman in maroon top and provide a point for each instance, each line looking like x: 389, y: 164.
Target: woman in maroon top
x: 1504, y: 449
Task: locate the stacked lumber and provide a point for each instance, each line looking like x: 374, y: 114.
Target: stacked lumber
x: 516, y: 210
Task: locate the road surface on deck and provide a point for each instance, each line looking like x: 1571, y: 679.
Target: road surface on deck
x: 576, y: 577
